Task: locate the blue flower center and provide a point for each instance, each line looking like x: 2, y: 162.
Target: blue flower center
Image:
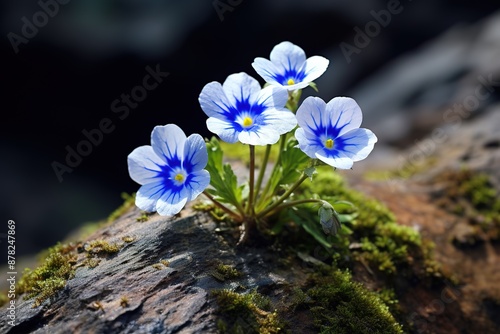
x: 290, y: 82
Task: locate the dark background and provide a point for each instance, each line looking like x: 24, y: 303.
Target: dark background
x: 66, y: 77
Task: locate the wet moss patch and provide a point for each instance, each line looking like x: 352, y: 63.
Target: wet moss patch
x: 340, y: 305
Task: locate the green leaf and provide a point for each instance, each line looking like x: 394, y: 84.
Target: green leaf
x: 310, y: 224
x: 314, y: 86
x: 310, y: 171
x: 222, y: 177
x: 343, y: 206
x: 293, y: 161
x: 346, y: 218
x: 274, y: 183
x: 215, y: 153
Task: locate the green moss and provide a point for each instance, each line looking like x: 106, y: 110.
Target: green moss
x: 343, y: 306
x: 246, y: 313
x: 223, y: 272
x: 471, y: 195
x: 389, y: 298
x: 128, y: 239
x: 129, y: 202
x: 91, y: 262
x: 207, y: 206
x: 99, y: 247
x: 51, y: 276
x: 374, y: 236
x: 142, y: 218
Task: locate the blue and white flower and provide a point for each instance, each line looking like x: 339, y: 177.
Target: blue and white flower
x: 330, y: 131
x: 239, y: 110
x: 170, y: 170
x: 289, y: 67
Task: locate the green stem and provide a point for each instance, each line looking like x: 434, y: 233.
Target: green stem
x: 262, y: 172
x: 276, y: 165
x: 292, y: 104
x: 283, y: 197
x: 223, y: 207
x: 252, y: 180
x: 297, y: 202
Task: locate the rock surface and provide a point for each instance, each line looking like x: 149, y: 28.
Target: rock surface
x: 165, y: 274
x: 420, y: 91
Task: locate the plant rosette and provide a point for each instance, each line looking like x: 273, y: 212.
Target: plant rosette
x: 176, y: 169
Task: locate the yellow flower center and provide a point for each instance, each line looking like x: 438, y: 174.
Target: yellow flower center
x: 290, y: 82
x: 329, y: 143
x: 179, y: 178
x: 247, y: 121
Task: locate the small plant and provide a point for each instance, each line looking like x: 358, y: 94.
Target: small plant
x: 176, y: 169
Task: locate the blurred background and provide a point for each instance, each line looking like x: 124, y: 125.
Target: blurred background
x: 68, y: 67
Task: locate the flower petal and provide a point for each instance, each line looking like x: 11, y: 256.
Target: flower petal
x: 213, y: 100
x: 148, y: 195
x: 195, y: 151
x: 307, y: 144
x: 314, y: 67
x: 259, y: 136
x: 198, y: 182
x: 144, y: 164
x: 267, y: 70
x: 335, y: 158
x: 272, y: 96
x: 288, y: 56
x: 172, y: 201
x: 300, y: 85
x: 311, y: 115
x: 168, y: 142
x: 345, y: 114
x: 240, y: 88
x: 279, y: 120
x: 223, y: 129
x: 358, y: 143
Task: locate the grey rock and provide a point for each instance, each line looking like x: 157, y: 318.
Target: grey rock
x: 416, y: 90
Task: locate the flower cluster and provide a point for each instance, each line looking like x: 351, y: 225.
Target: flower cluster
x: 176, y: 169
